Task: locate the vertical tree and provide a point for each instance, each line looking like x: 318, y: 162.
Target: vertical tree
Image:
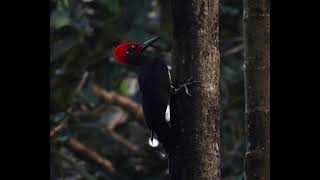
x: 196, y: 119
x: 257, y: 88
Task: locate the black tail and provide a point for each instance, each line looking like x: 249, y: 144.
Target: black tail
x: 164, y: 135
x: 152, y: 135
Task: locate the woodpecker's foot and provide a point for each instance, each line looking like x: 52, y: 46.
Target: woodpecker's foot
x: 184, y: 87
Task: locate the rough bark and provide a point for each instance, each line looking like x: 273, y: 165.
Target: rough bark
x: 196, y: 119
x: 256, y: 19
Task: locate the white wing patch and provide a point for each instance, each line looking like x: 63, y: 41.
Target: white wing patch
x: 169, y: 68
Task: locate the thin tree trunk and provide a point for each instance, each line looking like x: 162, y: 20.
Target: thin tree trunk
x: 196, y: 119
x: 257, y: 88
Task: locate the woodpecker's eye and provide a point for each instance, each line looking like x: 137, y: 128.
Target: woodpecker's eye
x: 133, y: 46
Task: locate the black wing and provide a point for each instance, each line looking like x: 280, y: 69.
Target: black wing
x: 154, y: 85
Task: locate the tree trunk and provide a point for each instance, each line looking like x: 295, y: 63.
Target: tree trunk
x: 196, y: 119
x: 257, y: 88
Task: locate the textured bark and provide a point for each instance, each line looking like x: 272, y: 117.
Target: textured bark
x: 257, y: 88
x: 196, y: 119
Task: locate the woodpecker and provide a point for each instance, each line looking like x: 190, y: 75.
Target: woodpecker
x: 155, y: 86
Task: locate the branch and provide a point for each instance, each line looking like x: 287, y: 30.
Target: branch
x: 82, y: 82
x: 82, y: 171
x: 117, y: 121
x: 122, y: 101
x: 60, y: 126
x: 57, y: 129
x: 79, y: 148
x: 233, y: 50
x: 121, y: 140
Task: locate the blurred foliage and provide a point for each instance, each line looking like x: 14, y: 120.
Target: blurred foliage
x: 83, y: 34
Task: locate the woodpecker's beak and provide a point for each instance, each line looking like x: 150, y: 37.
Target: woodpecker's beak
x: 148, y: 43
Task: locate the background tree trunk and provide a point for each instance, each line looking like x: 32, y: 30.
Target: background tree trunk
x: 257, y: 88
x: 196, y: 119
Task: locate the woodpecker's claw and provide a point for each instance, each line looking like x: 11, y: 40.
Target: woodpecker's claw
x: 184, y: 86
x: 187, y: 90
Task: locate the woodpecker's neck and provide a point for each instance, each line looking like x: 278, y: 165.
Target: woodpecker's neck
x: 137, y: 60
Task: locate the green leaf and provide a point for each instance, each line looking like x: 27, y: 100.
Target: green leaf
x: 62, y: 138
x: 123, y: 89
x: 61, y: 47
x: 113, y: 6
x: 59, y: 19
x: 66, y: 3
x: 59, y: 117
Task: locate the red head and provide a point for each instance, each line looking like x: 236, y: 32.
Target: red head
x: 122, y: 51
x: 129, y: 52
